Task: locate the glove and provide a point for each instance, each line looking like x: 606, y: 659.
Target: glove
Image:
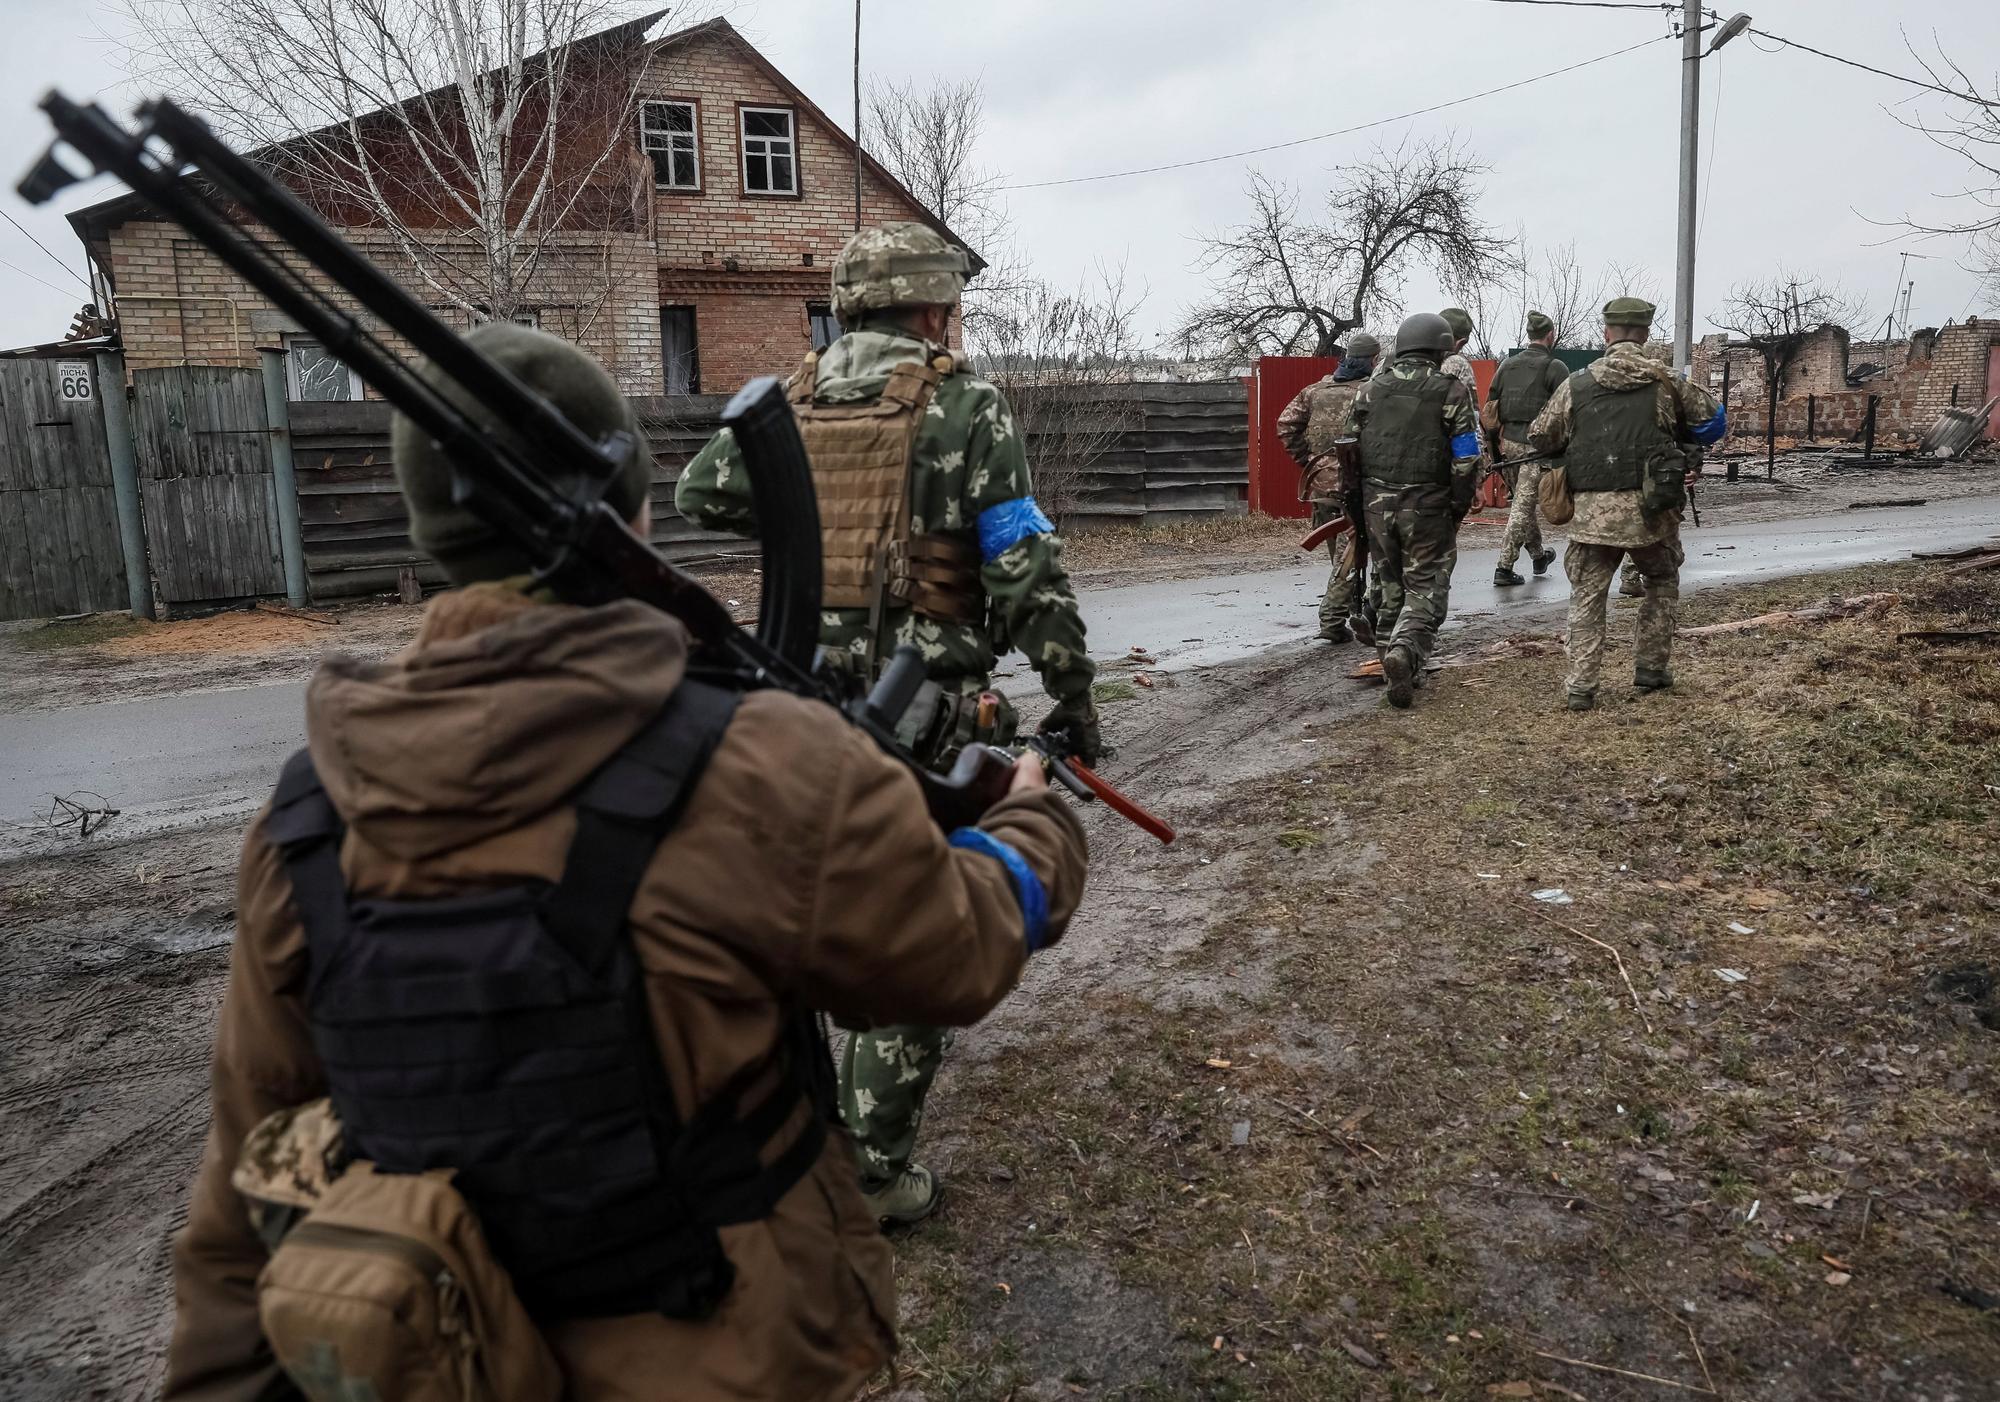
x: 1073, y: 724
x: 1463, y: 488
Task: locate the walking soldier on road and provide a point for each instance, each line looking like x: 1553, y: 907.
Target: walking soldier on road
x: 1522, y: 388
x: 548, y: 918
x: 932, y: 537
x: 1308, y: 428
x: 1624, y: 426
x: 1420, y: 467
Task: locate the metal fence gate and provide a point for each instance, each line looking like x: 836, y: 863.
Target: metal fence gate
x: 59, y: 550
x: 204, y: 457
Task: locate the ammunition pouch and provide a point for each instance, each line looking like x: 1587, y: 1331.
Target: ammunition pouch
x: 944, y: 719
x: 937, y: 575
x: 1665, y: 485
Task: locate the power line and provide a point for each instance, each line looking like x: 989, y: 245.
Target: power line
x: 32, y: 278
x: 1973, y: 98
x: 1345, y: 131
x: 1589, y: 4
x: 52, y: 257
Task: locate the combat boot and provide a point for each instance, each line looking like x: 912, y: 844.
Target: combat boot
x: 1399, y: 669
x: 1504, y: 577
x: 1632, y: 586
x: 1542, y: 562
x: 1363, y: 628
x: 912, y: 1197
x: 1335, y: 633
x: 1652, y: 679
x: 1582, y: 700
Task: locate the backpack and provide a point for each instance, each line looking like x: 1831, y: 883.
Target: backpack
x: 502, y: 1147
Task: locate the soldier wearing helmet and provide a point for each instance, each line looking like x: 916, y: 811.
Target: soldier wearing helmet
x: 1307, y: 428
x: 1420, y: 465
x: 931, y: 536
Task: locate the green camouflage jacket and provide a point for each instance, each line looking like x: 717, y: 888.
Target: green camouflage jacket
x: 1461, y: 421
x: 969, y: 474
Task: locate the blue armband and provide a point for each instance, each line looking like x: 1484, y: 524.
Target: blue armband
x: 1714, y: 430
x: 1008, y: 524
x: 1027, y: 886
x: 1466, y: 445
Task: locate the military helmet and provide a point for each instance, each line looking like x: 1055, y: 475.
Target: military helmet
x: 1460, y: 322
x: 1425, y: 331
x: 1363, y: 346
x: 898, y: 265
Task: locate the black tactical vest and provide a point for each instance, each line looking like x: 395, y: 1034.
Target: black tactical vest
x: 1615, y: 436
x: 1521, y: 388
x: 1404, y: 440
x: 506, y: 1034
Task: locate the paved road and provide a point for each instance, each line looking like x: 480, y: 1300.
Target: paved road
x: 167, y: 761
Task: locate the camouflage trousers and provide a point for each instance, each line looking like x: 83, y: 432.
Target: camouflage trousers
x: 885, y: 1076
x: 1414, y: 542
x: 1591, y: 569
x: 1342, y: 597
x: 1524, y: 517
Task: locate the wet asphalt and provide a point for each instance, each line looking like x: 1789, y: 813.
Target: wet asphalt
x: 169, y: 761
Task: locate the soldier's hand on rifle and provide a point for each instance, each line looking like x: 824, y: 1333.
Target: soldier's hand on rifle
x: 1073, y: 727
x: 1030, y: 774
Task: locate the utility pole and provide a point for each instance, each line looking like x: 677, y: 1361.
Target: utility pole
x: 1691, y: 56
x: 857, y: 116
x: 1690, y: 145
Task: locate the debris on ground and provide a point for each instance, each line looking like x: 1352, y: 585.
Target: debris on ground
x: 1818, y: 613
x: 1949, y: 635
x: 86, y: 812
x: 1898, y: 501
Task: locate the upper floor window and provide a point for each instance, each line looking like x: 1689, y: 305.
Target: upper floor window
x: 667, y: 135
x: 770, y: 151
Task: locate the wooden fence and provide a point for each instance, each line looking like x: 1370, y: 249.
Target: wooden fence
x: 59, y: 547
x: 1177, y: 451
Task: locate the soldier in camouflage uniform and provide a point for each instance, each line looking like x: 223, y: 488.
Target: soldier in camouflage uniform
x: 931, y: 536
x: 1307, y: 428
x: 1522, y: 388
x: 1420, y: 467
x: 1624, y: 425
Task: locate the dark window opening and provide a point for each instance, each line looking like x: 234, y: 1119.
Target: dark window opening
x: 824, y: 325
x: 678, y: 350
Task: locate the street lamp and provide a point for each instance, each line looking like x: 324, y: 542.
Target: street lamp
x: 1691, y: 57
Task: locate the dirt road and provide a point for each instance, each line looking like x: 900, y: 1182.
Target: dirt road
x: 1090, y: 1128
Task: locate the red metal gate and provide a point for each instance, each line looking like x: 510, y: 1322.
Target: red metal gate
x: 1274, y: 477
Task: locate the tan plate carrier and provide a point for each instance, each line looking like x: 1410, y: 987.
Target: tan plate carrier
x: 860, y: 456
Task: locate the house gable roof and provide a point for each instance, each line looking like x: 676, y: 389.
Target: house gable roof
x: 108, y: 213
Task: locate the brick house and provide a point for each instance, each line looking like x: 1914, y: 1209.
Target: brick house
x: 705, y: 259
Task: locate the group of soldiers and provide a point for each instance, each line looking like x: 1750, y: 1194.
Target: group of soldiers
x: 521, y: 1088
x: 1398, y: 446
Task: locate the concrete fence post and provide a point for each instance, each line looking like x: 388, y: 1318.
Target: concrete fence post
x: 284, y: 478
x: 124, y: 457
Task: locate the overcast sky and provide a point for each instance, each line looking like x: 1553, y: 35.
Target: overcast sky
x: 1804, y: 152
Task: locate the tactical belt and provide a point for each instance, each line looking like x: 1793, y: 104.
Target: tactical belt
x: 508, y: 1035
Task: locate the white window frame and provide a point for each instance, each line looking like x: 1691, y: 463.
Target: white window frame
x: 293, y: 389
x: 769, y: 146
x: 693, y: 135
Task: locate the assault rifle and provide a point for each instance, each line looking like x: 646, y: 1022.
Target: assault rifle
x: 581, y: 546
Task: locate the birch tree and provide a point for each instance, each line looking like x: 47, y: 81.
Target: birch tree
x: 480, y: 136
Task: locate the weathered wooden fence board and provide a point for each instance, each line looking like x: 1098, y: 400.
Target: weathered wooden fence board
x: 204, y: 454
x: 59, y: 550
x: 1181, y: 452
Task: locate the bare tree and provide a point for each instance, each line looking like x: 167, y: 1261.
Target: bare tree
x: 928, y: 138
x: 1970, y: 129
x: 1290, y: 284
x: 1057, y: 354
x: 1776, y: 316
x: 485, y: 138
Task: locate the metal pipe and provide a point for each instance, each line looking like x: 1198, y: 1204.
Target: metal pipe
x: 235, y: 315
x: 125, y: 481
x: 1727, y: 366
x: 284, y: 479
x: 1812, y: 417
x: 1690, y: 143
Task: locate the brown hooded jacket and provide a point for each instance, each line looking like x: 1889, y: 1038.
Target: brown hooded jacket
x: 804, y: 872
